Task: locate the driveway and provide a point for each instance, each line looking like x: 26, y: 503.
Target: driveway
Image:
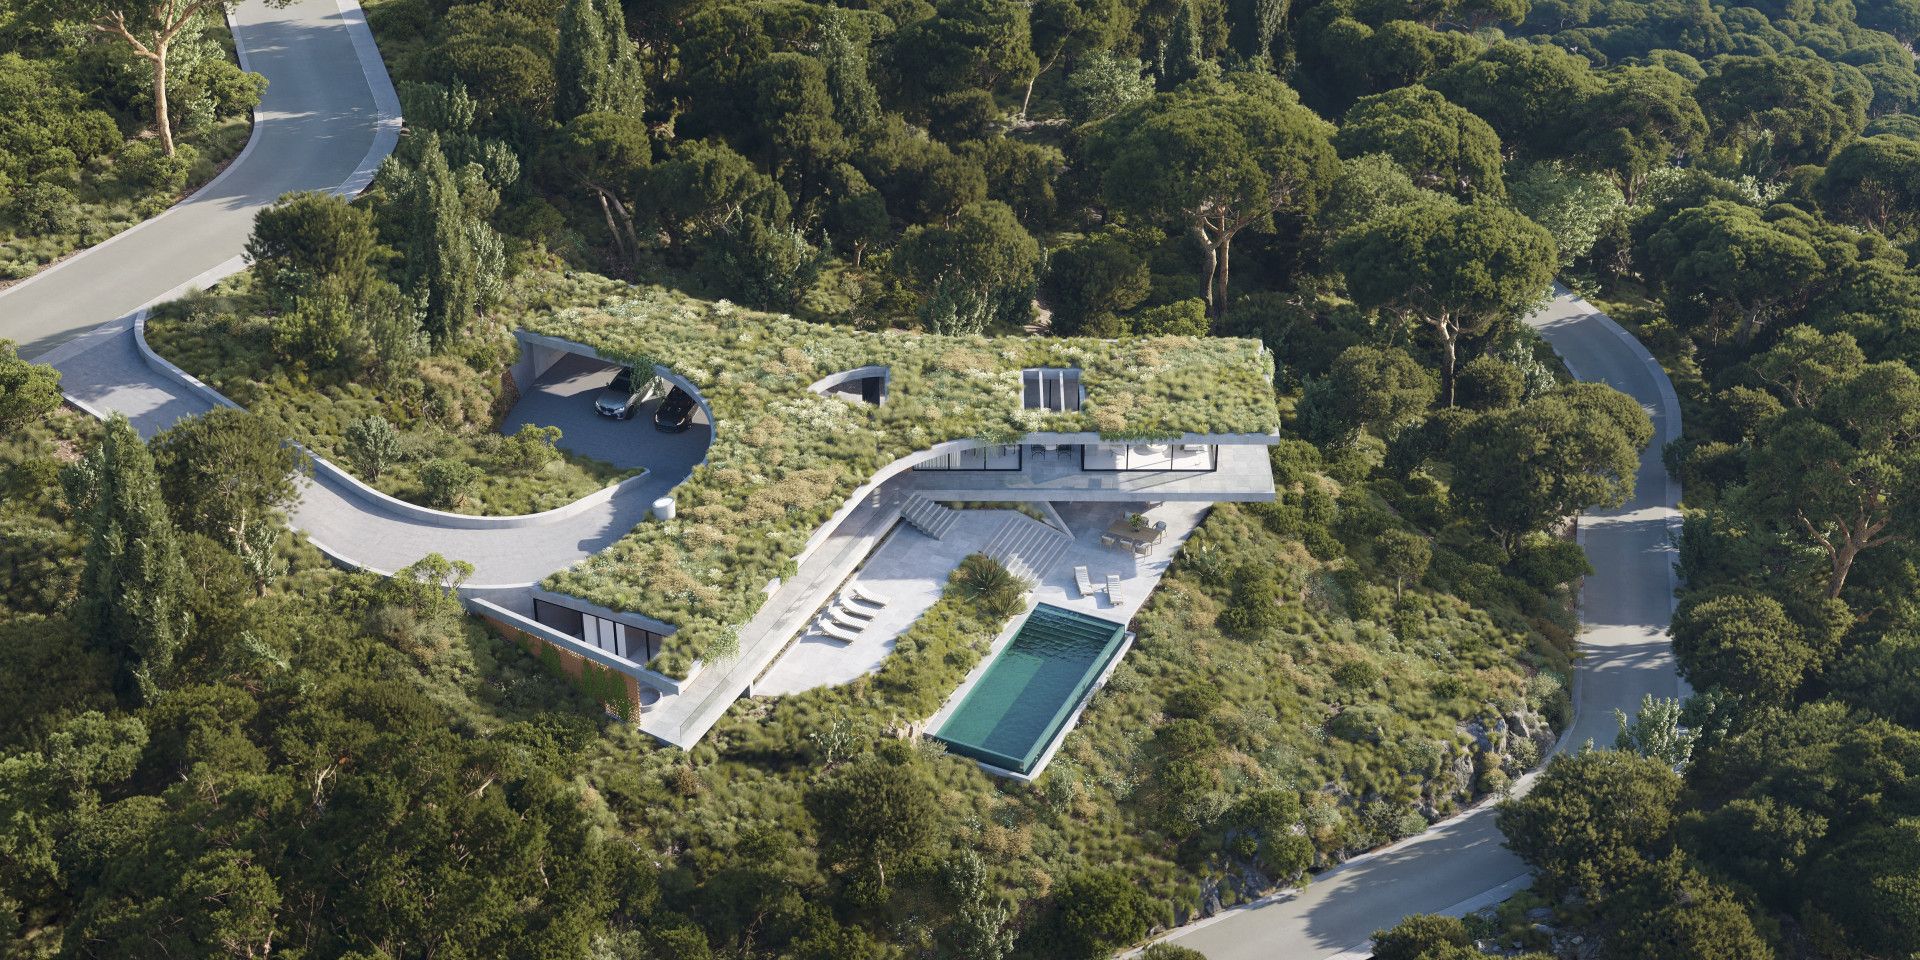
x: 563, y: 397
x: 319, y: 127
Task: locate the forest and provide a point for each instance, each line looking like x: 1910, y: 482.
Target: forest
x: 211, y: 743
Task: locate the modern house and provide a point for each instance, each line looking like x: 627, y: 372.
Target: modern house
x: 823, y: 440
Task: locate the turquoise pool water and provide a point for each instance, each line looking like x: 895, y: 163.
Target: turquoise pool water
x: 1019, y: 705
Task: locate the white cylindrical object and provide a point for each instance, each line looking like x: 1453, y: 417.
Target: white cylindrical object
x: 663, y: 508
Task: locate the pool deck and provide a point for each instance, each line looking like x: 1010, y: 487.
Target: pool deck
x: 910, y: 569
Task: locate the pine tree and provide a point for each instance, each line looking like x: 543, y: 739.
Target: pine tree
x: 849, y: 81
x: 133, y: 597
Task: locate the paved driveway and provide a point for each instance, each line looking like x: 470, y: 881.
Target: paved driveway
x: 563, y: 397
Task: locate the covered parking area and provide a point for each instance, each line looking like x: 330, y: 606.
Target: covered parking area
x: 558, y: 381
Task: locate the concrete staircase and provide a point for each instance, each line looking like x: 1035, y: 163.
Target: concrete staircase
x: 1026, y: 546
x: 931, y: 518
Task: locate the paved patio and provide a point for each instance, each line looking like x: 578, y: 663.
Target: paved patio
x: 910, y: 569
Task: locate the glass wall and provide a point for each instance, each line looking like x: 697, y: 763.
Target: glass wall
x: 1153, y: 457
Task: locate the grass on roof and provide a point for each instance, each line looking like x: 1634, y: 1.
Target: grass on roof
x: 784, y: 459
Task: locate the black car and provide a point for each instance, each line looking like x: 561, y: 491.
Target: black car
x: 675, y: 413
x: 619, y: 398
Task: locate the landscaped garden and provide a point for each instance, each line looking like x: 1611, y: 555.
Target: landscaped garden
x: 69, y: 178
x: 429, y: 439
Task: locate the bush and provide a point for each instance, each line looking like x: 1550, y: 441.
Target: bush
x: 529, y: 450
x: 45, y: 208
x: 372, y: 444
x: 1549, y: 562
x: 991, y: 586
x: 448, y: 483
x: 1185, y: 318
x: 143, y: 166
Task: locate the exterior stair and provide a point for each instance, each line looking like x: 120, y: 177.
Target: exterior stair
x: 929, y: 517
x: 1026, y: 547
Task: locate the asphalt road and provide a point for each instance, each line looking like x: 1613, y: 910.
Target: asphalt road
x: 317, y: 124
x: 1460, y: 865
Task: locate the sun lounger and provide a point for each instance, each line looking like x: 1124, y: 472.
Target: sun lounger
x: 844, y: 611
x: 1113, y: 588
x: 865, y: 596
x: 1084, y: 581
x: 833, y: 615
x: 830, y: 629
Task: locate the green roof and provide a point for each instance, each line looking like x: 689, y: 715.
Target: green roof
x: 784, y: 459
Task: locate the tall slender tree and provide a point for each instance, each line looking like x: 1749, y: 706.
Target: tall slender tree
x: 596, y: 65
x: 133, y: 594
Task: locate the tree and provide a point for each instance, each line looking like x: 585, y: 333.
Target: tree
x: 1214, y: 160
x: 133, y: 593
x: 1488, y: 383
x: 1843, y: 474
x: 1441, y: 146
x: 1097, y: 912
x: 609, y: 154
x: 226, y: 474
x: 1866, y: 884
x: 596, y: 66
x: 1593, y: 821
x: 856, y: 103
x: 148, y: 28
x: 1655, y: 732
x: 1379, y: 389
x: 309, y: 238
x: 702, y: 186
x: 1674, y: 910
x: 1531, y: 93
x: 454, y: 260
x: 1091, y: 281
x: 1071, y: 29
x: 1779, y: 111
x: 1575, y: 448
x: 1455, y: 269
x: 794, y: 131
x: 1404, y: 556
x: 448, y: 482
x: 965, y: 45
x: 1104, y: 85
x: 28, y: 391
x: 1743, y: 643
x: 877, y: 812
x: 1804, y: 362
x: 1729, y: 271
x: 971, y: 269
x: 1641, y: 119
x: 1875, y: 182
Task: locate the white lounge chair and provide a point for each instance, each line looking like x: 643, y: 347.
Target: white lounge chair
x: 1084, y: 581
x: 844, y: 611
x: 866, y: 596
x: 1113, y: 588
x: 830, y: 629
x: 833, y: 615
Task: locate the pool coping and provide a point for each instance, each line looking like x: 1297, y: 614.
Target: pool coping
x: 1007, y: 633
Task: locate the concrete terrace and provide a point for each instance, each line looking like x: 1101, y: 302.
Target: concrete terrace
x: 910, y: 569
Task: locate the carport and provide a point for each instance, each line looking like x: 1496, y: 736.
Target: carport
x: 557, y: 387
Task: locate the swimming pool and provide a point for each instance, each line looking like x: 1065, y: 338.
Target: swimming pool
x: 1020, y: 704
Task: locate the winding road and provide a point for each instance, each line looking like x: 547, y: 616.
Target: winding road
x: 328, y: 118
x: 1459, y: 865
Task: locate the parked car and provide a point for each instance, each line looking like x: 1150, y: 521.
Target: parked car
x: 621, y: 397
x: 675, y: 413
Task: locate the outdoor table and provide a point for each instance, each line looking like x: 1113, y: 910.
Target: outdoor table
x: 1126, y: 533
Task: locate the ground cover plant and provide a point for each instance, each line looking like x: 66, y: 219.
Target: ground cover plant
x: 430, y: 439
x: 77, y: 164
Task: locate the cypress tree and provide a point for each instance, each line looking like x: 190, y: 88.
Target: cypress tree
x: 849, y: 82
x: 580, y: 62
x: 133, y: 595
x: 454, y: 259
x: 623, y: 88
x: 1183, y: 53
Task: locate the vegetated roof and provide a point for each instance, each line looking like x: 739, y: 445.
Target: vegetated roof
x: 784, y: 459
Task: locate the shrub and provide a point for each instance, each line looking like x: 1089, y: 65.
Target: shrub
x: 528, y: 450
x: 991, y: 586
x: 45, y: 208
x: 1185, y: 318
x: 143, y: 166
x: 448, y: 483
x: 372, y: 444
x: 1548, y: 562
